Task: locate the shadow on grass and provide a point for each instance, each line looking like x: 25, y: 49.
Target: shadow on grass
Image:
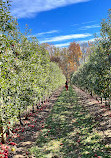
x: 69, y: 132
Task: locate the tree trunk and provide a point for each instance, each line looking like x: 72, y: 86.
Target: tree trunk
x: 40, y: 102
x: 105, y: 101
x: 91, y: 93
x: 37, y: 107
x: 20, y: 119
x: 26, y: 116
x: 33, y: 108
x: 7, y: 131
x: 101, y: 100
x: 2, y: 134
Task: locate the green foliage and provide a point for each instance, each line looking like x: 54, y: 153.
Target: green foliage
x: 26, y: 71
x: 95, y: 75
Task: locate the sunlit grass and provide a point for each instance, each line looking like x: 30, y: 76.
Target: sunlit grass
x: 69, y: 132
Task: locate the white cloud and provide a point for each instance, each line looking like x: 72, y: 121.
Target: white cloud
x: 88, y: 22
x: 79, y: 42
x: 66, y: 37
x: 90, y: 40
x: 89, y: 27
x: 48, y: 32
x: 75, y: 25
x: 62, y: 44
x: 86, y: 41
x: 29, y: 8
x: 43, y: 33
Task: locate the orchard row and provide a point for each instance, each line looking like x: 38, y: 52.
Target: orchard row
x: 27, y: 74
x: 95, y: 74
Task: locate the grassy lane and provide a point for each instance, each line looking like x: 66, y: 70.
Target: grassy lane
x: 69, y: 132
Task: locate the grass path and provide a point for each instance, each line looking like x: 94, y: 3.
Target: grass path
x: 70, y: 132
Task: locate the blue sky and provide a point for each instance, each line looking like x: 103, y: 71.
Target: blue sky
x: 60, y: 22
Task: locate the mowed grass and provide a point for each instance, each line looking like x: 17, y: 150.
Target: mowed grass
x: 69, y: 132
